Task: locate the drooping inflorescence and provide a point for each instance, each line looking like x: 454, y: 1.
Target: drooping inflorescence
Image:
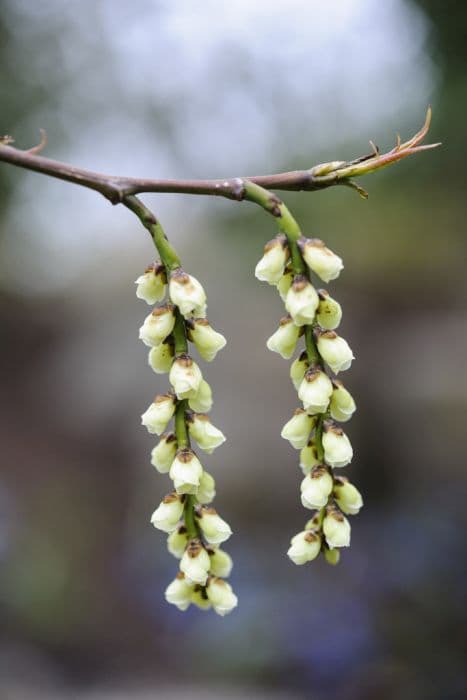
x: 287, y: 263
x: 195, y: 530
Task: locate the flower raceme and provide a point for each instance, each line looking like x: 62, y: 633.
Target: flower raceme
x: 194, y: 528
x: 314, y: 315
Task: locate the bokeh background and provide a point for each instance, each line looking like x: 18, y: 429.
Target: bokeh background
x: 174, y: 89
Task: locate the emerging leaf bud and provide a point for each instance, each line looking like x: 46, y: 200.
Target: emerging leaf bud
x: 204, y: 432
x: 337, y: 448
x: 221, y: 563
x: 163, y: 454
x: 177, y: 541
x: 185, y: 377
x: 348, y: 497
x: 315, y: 391
x: 298, y: 429
x: 336, y: 529
x: 179, y: 592
x: 342, y: 405
x: 304, y: 547
x: 206, y: 488
x: 285, y: 283
x: 284, y: 340
x: 221, y: 596
x: 187, y: 293
x: 316, y: 488
x: 215, y: 530
x: 302, y: 301
x: 271, y: 266
x: 332, y: 556
x: 298, y: 369
x: 186, y: 471
x: 156, y: 417
x: 151, y: 285
x: 320, y: 259
x: 195, y: 563
x: 309, y: 457
x: 202, y: 402
x: 158, y: 325
x: 160, y: 357
x: 168, y: 513
x: 329, y: 313
x: 334, y: 350
x: 207, y: 341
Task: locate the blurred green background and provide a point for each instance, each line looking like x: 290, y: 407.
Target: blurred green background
x: 180, y: 89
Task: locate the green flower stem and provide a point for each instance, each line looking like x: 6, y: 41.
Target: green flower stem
x: 314, y: 358
x: 319, y: 437
x: 166, y: 251
x: 179, y: 334
x: 183, y: 440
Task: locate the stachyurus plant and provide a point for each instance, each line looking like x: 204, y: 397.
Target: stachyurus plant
x: 295, y: 264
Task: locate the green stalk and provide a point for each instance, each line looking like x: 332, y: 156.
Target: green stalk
x: 166, y: 251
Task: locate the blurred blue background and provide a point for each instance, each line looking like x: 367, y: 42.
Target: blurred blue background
x: 184, y: 89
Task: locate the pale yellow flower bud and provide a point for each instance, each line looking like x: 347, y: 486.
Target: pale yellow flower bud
x: 202, y: 402
x: 188, y: 294
x: 179, y: 592
x: 207, y: 341
x: 297, y: 430
x: 152, y: 285
x: 185, y: 377
x: 329, y: 313
x: 163, y: 453
x: 156, y: 417
x: 221, y: 596
x: 342, y: 406
x: 304, y: 547
x: 298, y: 369
x: 315, y: 391
x: 186, y: 471
x: 160, y: 358
x: 204, y: 432
x: 348, y: 497
x: 200, y: 599
x: 309, y: 457
x: 177, y: 541
x: 215, y: 530
x: 271, y: 266
x: 206, y: 489
x: 284, y: 284
x: 316, y: 488
x: 336, y: 529
x: 221, y: 563
x: 302, y: 301
x: 320, y: 259
x: 332, y: 556
x: 284, y: 340
x: 337, y: 448
x: 335, y: 351
x: 168, y: 513
x: 195, y: 563
x: 158, y: 325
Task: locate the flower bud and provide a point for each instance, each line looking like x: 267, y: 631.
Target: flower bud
x: 221, y: 563
x: 158, y: 325
x: 214, y: 529
x: 206, y: 489
x: 284, y: 340
x: 304, y: 547
x: 207, y: 341
x: 202, y: 402
x: 336, y: 529
x: 177, y: 541
x: 335, y: 351
x: 271, y: 266
x: 168, y: 513
x: 156, y: 417
x: 342, y: 405
x: 185, y: 377
x: 298, y: 369
x: 284, y: 284
x: 179, y: 592
x: 315, y: 391
x: 151, y: 285
x: 309, y: 457
x: 320, y: 259
x: 187, y: 293
x: 348, y: 497
x: 329, y: 312
x: 332, y: 556
x: 195, y: 562
x: 163, y: 454
x: 337, y: 448
x: 316, y: 488
x: 200, y: 599
x: 204, y: 432
x: 186, y: 471
x: 160, y: 357
x: 302, y: 301
x: 298, y: 429
x: 221, y: 596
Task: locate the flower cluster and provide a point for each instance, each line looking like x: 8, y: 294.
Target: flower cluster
x: 313, y: 429
x: 195, y: 530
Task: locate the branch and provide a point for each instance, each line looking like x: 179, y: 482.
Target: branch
x: 117, y: 188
